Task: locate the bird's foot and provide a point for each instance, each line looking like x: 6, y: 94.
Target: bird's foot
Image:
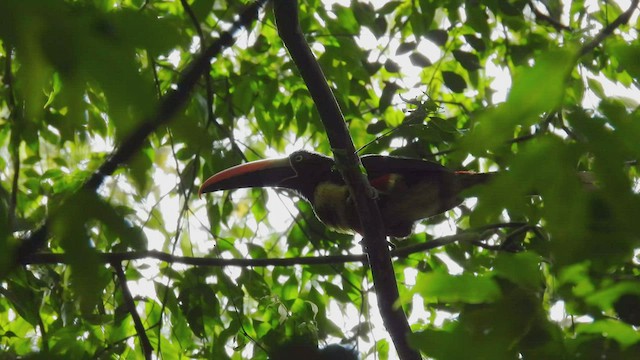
x: 373, y: 193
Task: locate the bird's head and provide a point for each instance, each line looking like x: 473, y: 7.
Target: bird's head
x: 301, y: 171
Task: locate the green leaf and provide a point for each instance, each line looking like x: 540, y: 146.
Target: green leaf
x: 202, y: 8
x: 391, y: 66
x: 335, y: 292
x: 405, y: 47
x: 468, y: 60
x: 605, y: 298
x: 478, y: 20
x: 146, y: 31
x: 379, y: 26
x: 377, y: 127
x: 23, y: 300
x: 139, y: 168
x: 521, y: 268
x: 528, y: 98
x: 387, y: 95
x: 509, y: 8
x: 554, y: 66
x: 346, y: 19
x: 417, y: 59
x: 254, y: 283
x: 243, y: 95
x: 476, y: 43
x: 624, y: 334
x: 437, y: 36
x: 290, y: 290
x: 389, y: 7
x: 454, y: 81
x: 627, y: 55
x: 442, y: 287
x: 69, y: 226
x: 364, y: 12
x: 596, y: 87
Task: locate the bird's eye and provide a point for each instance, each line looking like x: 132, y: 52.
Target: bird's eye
x: 298, y: 158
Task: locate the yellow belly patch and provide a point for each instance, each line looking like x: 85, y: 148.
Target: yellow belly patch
x: 332, y: 206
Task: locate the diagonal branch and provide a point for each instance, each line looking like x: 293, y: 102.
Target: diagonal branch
x: 548, y: 19
x: 348, y: 163
x: 607, y: 31
x: 147, y: 349
x: 169, y: 106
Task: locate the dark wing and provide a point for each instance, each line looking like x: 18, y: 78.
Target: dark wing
x: 382, y: 170
x: 378, y: 165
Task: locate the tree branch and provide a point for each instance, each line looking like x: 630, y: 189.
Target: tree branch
x: 348, y: 163
x: 59, y: 258
x: 604, y: 33
x: 147, y: 349
x: 109, y: 258
x: 551, y: 21
x: 169, y: 106
x: 14, y: 144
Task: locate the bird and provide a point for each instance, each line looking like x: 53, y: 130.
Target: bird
x: 304, y: 348
x: 407, y: 189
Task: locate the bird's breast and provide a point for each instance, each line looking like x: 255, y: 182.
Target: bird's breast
x: 334, y: 208
x: 401, y: 202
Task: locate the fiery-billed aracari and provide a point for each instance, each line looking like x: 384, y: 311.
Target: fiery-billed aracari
x: 408, y: 189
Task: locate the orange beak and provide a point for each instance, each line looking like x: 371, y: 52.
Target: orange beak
x: 260, y: 173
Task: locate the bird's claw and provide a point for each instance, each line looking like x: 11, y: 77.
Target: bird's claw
x: 373, y: 193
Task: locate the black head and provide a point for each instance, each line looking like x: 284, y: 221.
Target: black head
x: 301, y: 171
x: 310, y: 170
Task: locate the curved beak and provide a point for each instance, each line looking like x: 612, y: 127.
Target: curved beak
x: 270, y: 172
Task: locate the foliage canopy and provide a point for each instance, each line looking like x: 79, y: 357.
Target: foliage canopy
x: 522, y: 86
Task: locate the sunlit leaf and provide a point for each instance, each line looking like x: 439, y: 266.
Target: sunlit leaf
x: 438, y: 286
x: 405, y: 48
x: 522, y: 269
x: 438, y: 37
x: 622, y: 333
x: 391, y: 66
x: 419, y: 59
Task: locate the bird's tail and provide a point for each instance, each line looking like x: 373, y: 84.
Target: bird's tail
x: 467, y: 179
